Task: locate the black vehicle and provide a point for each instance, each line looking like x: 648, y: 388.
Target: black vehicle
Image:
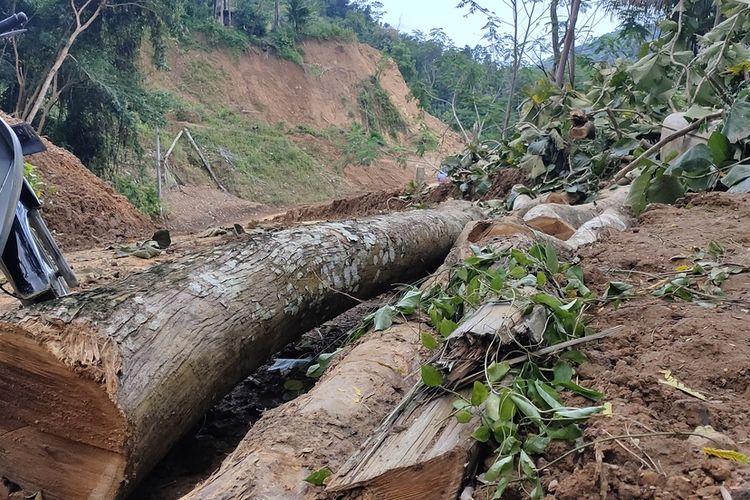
x: 31, y: 260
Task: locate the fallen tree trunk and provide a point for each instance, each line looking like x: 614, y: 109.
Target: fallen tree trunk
x: 96, y: 387
x: 337, y: 415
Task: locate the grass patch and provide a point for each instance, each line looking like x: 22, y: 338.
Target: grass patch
x: 261, y: 162
x: 362, y: 147
x: 141, y: 193
x: 378, y: 111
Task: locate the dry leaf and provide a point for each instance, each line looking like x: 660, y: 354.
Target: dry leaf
x: 673, y: 382
x: 734, y: 456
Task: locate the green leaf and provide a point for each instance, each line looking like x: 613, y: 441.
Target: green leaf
x: 563, y: 372
x: 318, y: 478
x: 447, y: 327
x: 720, y: 147
x: 737, y: 122
x: 696, y: 168
x: 696, y: 112
x: 502, y: 485
x: 536, y: 444
x: 569, y: 432
x: 479, y: 393
x: 383, y: 318
x: 736, y: 175
x: 715, y: 248
x: 638, y: 195
x: 492, y: 407
x: 527, y: 465
x: 551, y: 260
x: 527, y: 408
x: 431, y: 376
x: 482, y: 434
x: 548, y: 395
x: 665, y: 189
x: 497, y: 371
x: 500, y: 468
x: 409, y: 302
x: 464, y: 416
x: 517, y: 272
x: 507, y: 406
x: 618, y: 289
x: 576, y: 357
x: 541, y: 279
x: 429, y: 341
x: 577, y: 413
x: 583, y: 391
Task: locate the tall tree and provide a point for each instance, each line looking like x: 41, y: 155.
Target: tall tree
x: 567, y: 51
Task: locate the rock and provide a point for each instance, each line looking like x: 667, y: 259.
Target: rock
x: 720, y: 470
x: 713, y: 439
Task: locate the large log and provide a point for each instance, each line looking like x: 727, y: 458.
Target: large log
x: 323, y: 427
x: 96, y: 387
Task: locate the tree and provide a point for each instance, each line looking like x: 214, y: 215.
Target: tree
x: 298, y: 14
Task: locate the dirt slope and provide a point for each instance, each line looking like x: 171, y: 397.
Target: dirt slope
x: 321, y: 95
x: 81, y: 209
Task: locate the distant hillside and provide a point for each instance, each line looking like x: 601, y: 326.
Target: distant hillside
x: 280, y: 133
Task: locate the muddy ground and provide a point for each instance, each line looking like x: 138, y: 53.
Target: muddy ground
x: 706, y: 349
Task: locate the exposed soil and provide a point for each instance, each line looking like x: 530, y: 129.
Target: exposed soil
x: 706, y: 349
x: 195, y: 208
x: 321, y: 94
x: 374, y: 203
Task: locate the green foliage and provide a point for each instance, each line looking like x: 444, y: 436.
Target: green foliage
x: 361, y: 147
x: 39, y: 187
x: 378, y: 111
x: 298, y: 14
x: 142, y: 194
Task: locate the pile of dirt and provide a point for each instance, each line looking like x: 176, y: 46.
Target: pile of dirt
x: 705, y: 349
x: 81, y: 209
x: 375, y: 203
x: 195, y: 208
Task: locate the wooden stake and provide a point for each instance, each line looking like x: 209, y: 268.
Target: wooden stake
x: 203, y: 159
x: 158, y: 169
x: 174, y: 143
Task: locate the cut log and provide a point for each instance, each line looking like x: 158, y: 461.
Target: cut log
x: 337, y: 415
x: 616, y: 219
x: 422, y: 451
x: 96, y: 387
x: 562, y: 221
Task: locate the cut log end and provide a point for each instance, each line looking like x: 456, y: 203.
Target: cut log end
x: 68, y: 438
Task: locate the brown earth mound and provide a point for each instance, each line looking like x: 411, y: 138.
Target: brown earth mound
x: 81, y: 209
x: 706, y: 349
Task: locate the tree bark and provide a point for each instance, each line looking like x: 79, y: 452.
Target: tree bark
x: 555, y: 28
x: 570, y: 34
x: 337, y: 415
x: 96, y: 387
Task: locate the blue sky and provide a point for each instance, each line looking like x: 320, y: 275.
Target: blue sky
x: 423, y: 15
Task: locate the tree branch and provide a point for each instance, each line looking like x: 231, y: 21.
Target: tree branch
x: 653, y: 149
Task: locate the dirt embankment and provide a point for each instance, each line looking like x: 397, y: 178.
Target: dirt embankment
x: 81, y: 209
x: 706, y: 349
x: 322, y: 95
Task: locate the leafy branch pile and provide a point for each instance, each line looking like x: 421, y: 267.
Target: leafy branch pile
x: 624, y: 105
x: 517, y: 392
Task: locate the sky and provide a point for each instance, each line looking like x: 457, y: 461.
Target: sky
x: 423, y: 15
